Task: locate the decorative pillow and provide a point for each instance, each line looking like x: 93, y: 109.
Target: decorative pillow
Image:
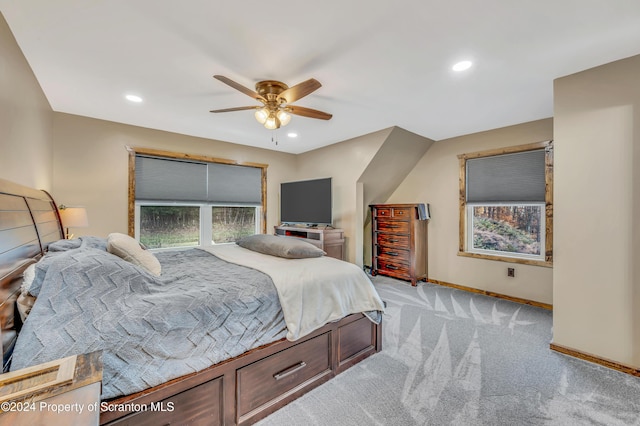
x: 27, y: 278
x: 130, y: 250
x: 25, y: 302
x: 287, y: 247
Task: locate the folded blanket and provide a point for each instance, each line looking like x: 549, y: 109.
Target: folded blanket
x: 312, y: 291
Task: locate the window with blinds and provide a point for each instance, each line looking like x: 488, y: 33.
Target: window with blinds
x: 186, y: 202
x: 504, y: 205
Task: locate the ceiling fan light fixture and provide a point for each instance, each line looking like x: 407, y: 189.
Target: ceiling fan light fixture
x: 284, y: 117
x: 276, y: 97
x: 272, y: 122
x: 261, y: 115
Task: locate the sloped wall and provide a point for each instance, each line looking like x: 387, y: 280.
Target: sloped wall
x: 363, y: 170
x: 393, y: 161
x: 435, y: 180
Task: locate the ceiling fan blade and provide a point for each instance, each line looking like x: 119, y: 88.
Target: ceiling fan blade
x: 301, y: 90
x: 255, y: 95
x: 236, y: 109
x: 308, y: 112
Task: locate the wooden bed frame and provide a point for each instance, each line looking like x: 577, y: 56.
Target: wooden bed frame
x: 239, y: 391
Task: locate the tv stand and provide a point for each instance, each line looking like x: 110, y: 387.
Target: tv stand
x: 331, y: 240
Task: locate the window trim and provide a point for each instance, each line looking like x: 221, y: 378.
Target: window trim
x: 463, y: 220
x: 133, y: 151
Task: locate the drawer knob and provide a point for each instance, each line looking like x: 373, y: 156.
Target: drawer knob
x: 393, y: 241
x: 392, y: 253
x: 391, y: 267
x: 290, y: 370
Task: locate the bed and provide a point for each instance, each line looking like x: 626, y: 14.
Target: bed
x: 253, y: 374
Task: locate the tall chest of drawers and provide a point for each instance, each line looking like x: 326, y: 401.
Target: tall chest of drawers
x: 399, y: 241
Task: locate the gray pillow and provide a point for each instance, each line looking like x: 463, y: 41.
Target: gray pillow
x: 287, y: 247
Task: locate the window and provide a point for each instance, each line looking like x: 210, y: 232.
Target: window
x: 169, y: 226
x: 507, y: 229
x: 506, y: 204
x: 193, y: 201
x: 229, y: 224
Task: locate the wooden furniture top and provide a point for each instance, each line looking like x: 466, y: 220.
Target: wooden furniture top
x: 53, y: 378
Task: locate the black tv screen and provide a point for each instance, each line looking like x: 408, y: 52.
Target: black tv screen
x: 307, y: 201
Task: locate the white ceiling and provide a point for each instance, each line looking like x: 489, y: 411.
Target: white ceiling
x: 381, y: 63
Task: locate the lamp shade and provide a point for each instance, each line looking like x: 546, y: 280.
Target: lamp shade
x: 284, y: 117
x: 261, y: 115
x: 74, y: 217
x: 272, y: 122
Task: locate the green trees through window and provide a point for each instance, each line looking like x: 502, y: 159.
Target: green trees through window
x: 230, y: 224
x: 180, y: 226
x: 169, y: 226
x: 510, y: 229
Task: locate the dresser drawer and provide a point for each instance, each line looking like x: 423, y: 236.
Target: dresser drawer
x: 387, y: 239
x: 384, y: 212
x: 393, y: 254
x: 276, y: 375
x: 201, y: 405
x: 389, y: 267
x: 394, y: 213
x: 392, y: 226
x: 401, y: 213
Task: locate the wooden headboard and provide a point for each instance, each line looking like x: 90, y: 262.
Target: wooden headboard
x: 29, y: 221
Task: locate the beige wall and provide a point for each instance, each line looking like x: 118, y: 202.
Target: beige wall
x: 365, y: 169
x: 597, y: 192
x: 344, y: 162
x: 434, y: 180
x: 25, y: 119
x: 90, y: 164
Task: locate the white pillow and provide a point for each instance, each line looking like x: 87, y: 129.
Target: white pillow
x: 130, y: 250
x: 28, y: 276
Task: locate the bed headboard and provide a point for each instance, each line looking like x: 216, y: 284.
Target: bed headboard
x: 29, y: 221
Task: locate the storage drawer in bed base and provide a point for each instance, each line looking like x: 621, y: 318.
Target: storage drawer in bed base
x: 226, y: 394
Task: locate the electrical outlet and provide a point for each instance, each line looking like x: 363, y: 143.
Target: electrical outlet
x: 511, y: 272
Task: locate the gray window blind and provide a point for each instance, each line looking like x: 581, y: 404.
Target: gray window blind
x: 162, y: 179
x: 234, y: 184
x: 517, y: 177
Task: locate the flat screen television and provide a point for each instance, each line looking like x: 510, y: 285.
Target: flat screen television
x: 306, y: 202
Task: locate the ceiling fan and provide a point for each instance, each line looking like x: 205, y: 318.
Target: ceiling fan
x: 276, y: 98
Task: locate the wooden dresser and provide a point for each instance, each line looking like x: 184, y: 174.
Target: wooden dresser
x: 399, y: 241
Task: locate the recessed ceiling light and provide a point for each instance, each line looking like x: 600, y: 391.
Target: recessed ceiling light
x: 462, y: 65
x: 133, y: 98
x: 292, y: 135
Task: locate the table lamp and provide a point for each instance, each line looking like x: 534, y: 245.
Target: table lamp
x: 73, y: 217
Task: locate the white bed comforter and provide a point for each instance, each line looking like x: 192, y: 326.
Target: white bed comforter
x: 312, y: 291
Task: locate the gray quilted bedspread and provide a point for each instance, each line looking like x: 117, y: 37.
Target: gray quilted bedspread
x: 201, y: 311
